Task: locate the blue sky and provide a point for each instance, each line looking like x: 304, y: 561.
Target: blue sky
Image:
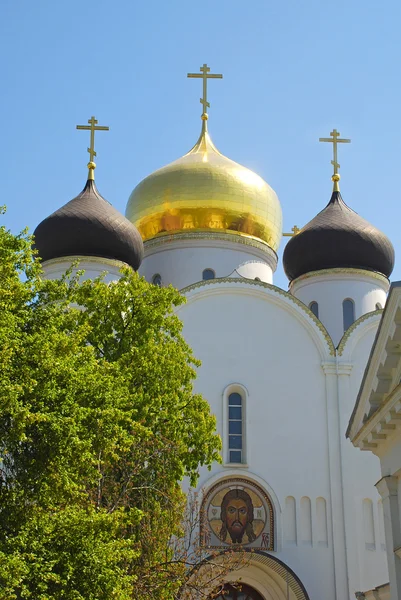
x: 292, y: 71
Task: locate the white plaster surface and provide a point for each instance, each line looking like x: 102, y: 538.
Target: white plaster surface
x: 330, y: 289
x: 298, y: 402
x: 182, y: 263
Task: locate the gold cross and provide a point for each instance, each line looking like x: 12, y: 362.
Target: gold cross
x: 335, y: 139
x: 92, y: 127
x: 294, y: 230
x: 205, y: 75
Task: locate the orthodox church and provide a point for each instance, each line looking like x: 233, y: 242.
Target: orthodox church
x: 281, y: 369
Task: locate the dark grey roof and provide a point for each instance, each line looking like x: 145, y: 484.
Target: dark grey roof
x: 338, y: 237
x: 88, y: 225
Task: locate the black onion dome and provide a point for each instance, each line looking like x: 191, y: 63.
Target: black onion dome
x: 338, y: 238
x: 88, y: 225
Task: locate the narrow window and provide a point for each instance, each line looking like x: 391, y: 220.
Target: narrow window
x: 378, y: 306
x: 208, y: 274
x: 348, y: 313
x: 157, y: 280
x: 314, y: 307
x: 235, y: 430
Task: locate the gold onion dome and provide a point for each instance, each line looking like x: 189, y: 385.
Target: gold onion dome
x: 206, y: 191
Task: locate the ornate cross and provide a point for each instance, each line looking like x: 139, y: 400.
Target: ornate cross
x: 335, y: 139
x: 92, y: 127
x: 205, y: 75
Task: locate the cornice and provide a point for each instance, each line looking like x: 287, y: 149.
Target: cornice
x: 268, y: 286
x: 376, y: 429
x: 112, y: 262
x: 336, y: 368
x: 210, y: 236
x: 383, y: 351
x: 350, y: 330
x: 344, y: 368
x: 342, y: 271
x: 329, y: 368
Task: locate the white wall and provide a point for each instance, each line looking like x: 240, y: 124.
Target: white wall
x: 181, y: 262
x: 330, y: 288
x: 243, y: 337
x: 295, y: 429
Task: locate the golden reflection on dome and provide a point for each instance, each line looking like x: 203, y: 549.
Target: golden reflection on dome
x: 206, y: 191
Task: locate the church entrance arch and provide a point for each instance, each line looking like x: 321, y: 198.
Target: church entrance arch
x: 261, y: 576
x: 268, y: 576
x: 240, y: 592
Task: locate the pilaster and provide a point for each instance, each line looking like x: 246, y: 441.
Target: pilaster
x: 353, y: 550
x: 336, y: 484
x: 388, y: 489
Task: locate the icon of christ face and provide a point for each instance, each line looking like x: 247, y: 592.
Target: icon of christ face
x: 237, y: 516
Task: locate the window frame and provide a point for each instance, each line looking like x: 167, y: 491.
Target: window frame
x: 235, y: 388
x: 353, y: 313
x: 311, y: 304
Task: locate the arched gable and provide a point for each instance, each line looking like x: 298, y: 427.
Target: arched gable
x: 273, y: 294
x: 266, y: 574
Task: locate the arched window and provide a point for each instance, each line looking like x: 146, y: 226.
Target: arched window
x: 378, y: 306
x: 235, y: 428
x: 257, y: 279
x: 157, y: 279
x: 314, y: 307
x: 348, y: 313
x: 208, y: 274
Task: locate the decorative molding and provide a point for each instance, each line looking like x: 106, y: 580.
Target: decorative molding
x: 112, y: 262
x: 344, y: 368
x: 343, y: 271
x: 273, y: 288
x: 381, y: 424
x: 285, y: 572
x: 337, y: 368
x: 208, y: 235
x: 372, y: 403
x: 329, y: 368
x: 355, y: 324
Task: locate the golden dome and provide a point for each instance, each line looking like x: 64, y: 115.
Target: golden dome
x: 206, y: 191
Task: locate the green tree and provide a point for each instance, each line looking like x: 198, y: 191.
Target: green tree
x: 98, y: 426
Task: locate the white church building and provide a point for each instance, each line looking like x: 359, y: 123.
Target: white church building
x: 281, y: 369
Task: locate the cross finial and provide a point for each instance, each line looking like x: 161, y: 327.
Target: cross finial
x: 294, y: 231
x: 335, y: 139
x: 92, y: 127
x: 205, y: 75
